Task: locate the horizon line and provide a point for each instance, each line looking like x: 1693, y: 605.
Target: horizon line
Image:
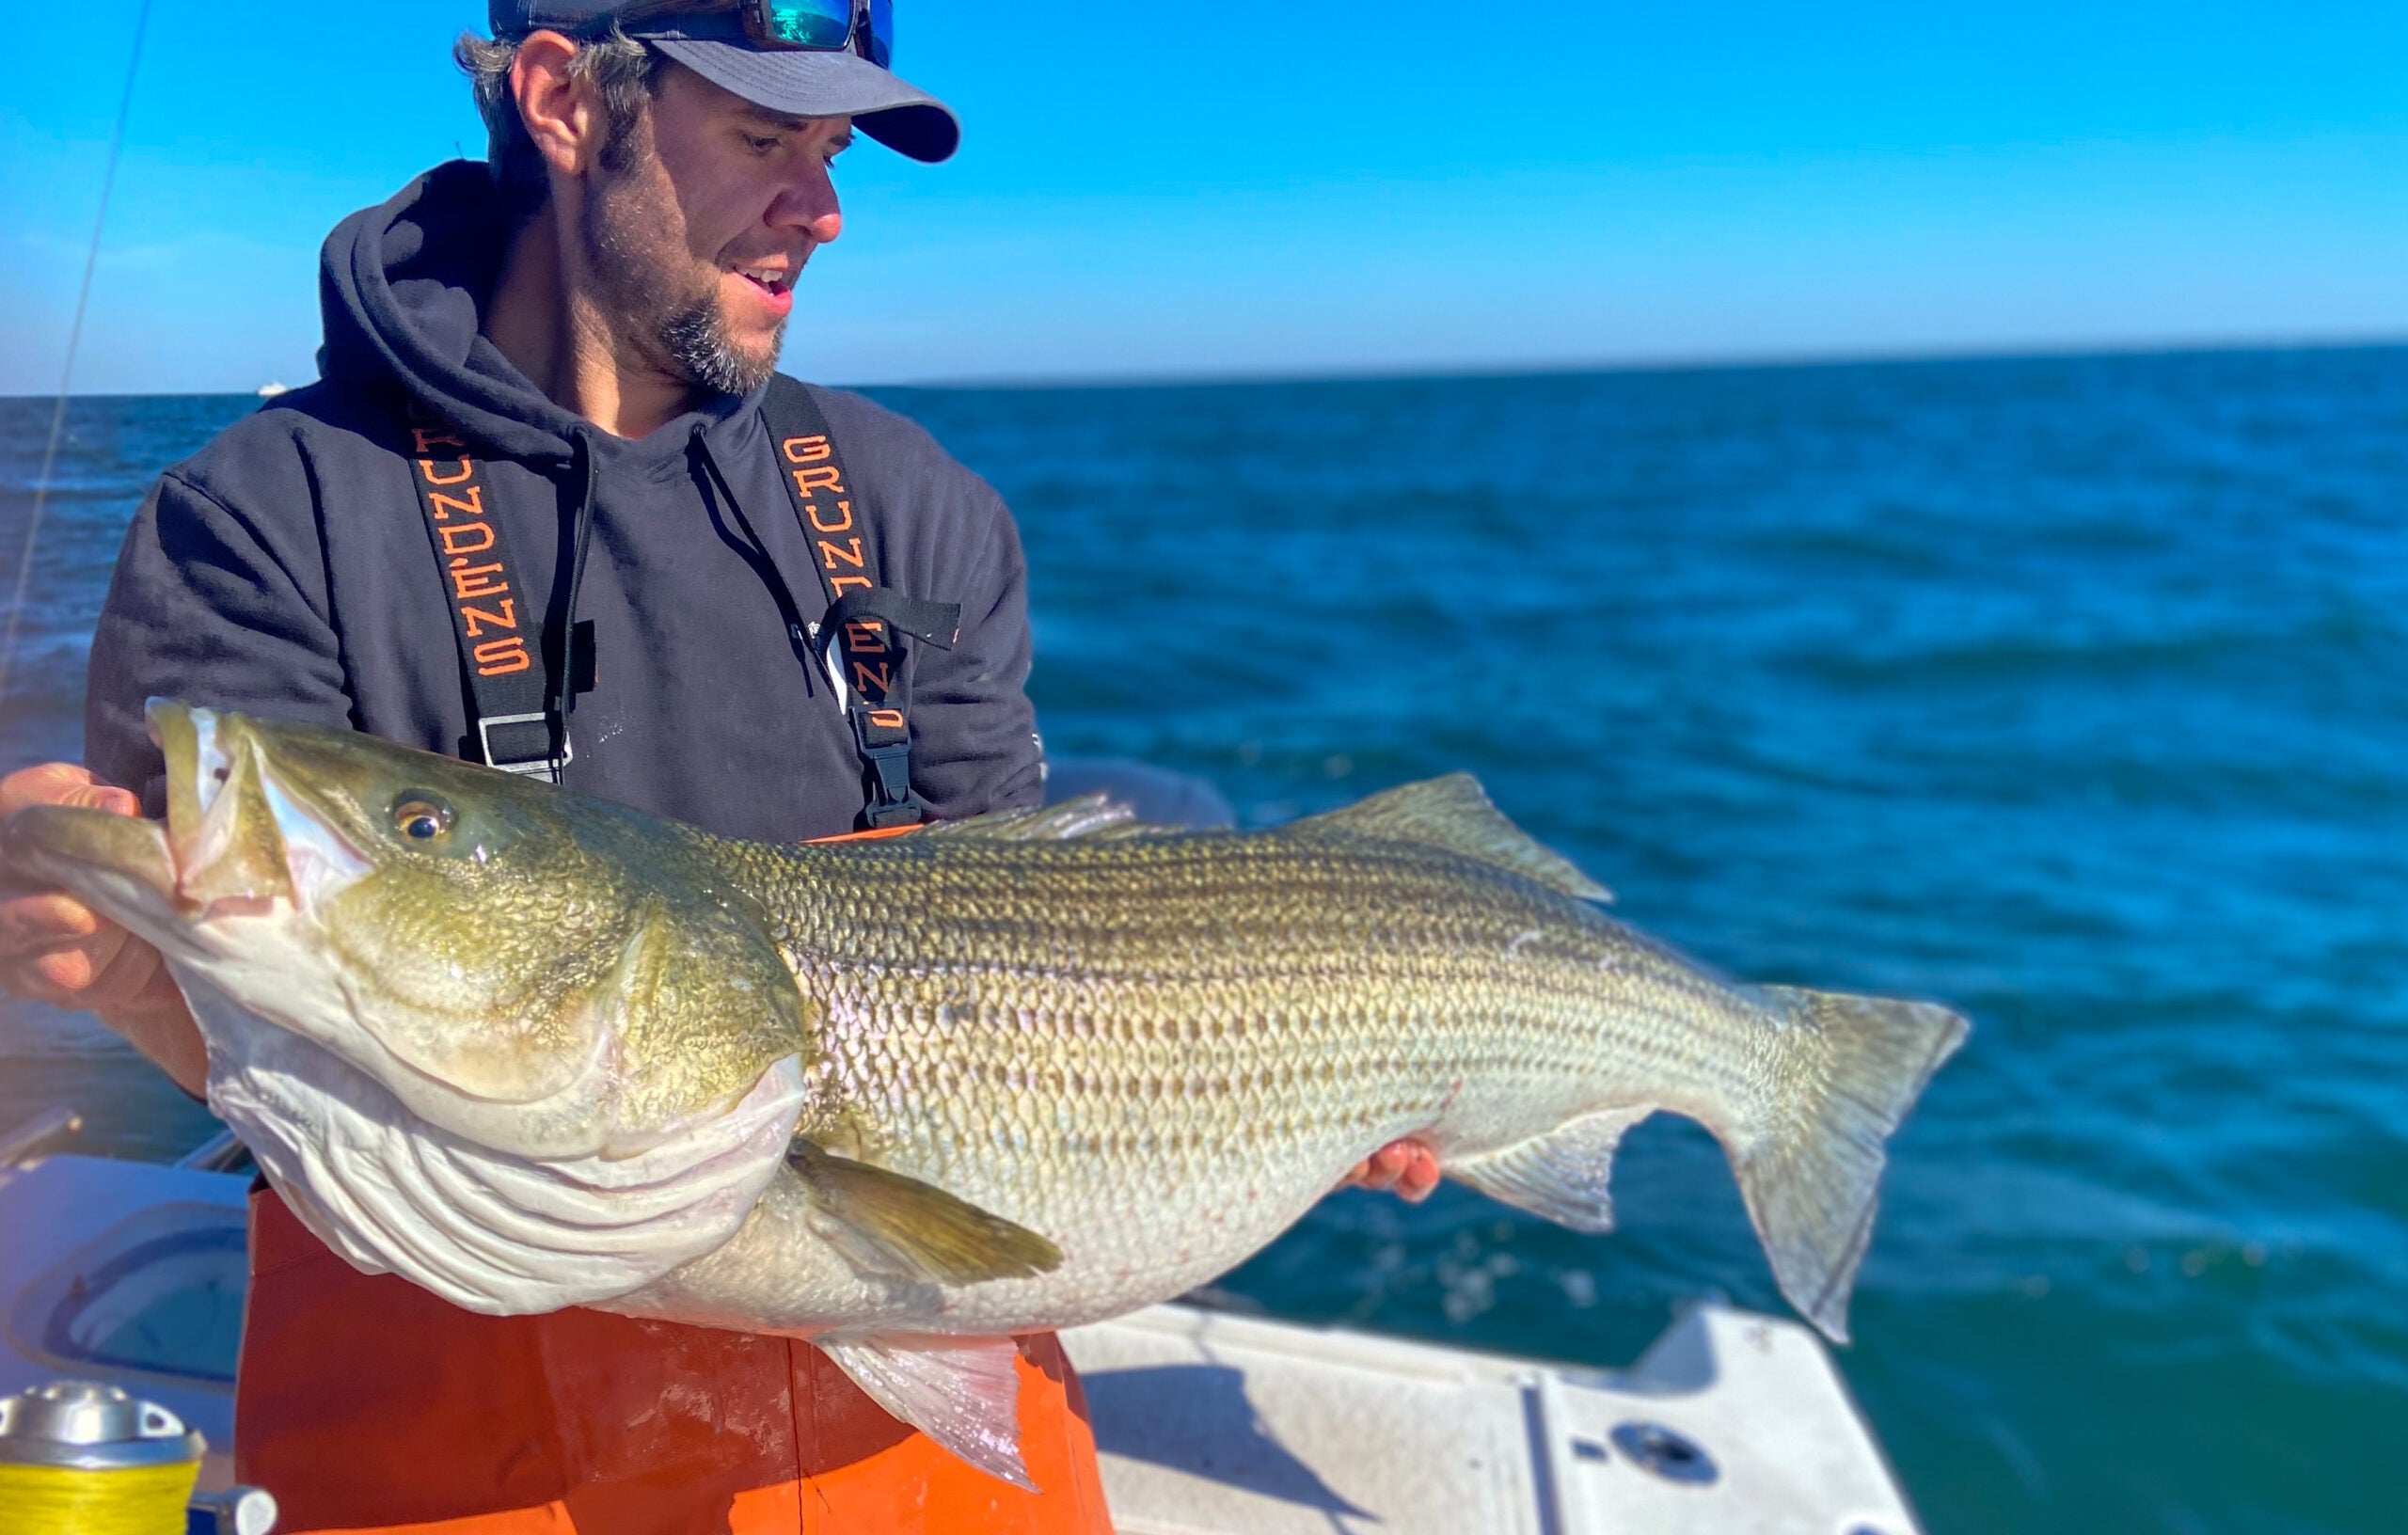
x: 1802, y: 361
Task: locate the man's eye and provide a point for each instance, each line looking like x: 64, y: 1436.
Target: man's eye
x: 760, y: 146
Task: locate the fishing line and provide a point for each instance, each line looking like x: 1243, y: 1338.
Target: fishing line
x: 66, y: 1500
x: 74, y: 339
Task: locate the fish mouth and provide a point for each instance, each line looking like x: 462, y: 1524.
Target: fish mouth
x: 236, y: 842
x: 240, y: 840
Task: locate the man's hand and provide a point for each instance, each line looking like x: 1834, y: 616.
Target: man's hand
x: 55, y: 949
x: 1409, y: 1167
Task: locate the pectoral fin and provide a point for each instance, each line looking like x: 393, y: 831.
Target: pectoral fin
x: 1564, y: 1176
x: 917, y: 1231
x: 961, y: 1392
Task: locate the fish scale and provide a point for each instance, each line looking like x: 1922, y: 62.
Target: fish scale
x: 1351, y: 992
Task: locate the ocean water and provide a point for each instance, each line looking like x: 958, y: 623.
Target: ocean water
x: 2073, y: 693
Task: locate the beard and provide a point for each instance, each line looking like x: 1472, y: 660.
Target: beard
x: 661, y: 308
x: 695, y: 337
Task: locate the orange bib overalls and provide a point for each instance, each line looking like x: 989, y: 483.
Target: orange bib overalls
x: 366, y: 1403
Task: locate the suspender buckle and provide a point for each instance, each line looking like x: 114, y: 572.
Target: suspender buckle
x: 543, y: 763
x: 893, y: 817
x: 885, y: 745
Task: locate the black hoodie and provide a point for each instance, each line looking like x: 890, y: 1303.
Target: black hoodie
x: 285, y: 569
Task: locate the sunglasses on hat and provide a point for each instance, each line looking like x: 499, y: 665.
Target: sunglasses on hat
x: 829, y: 26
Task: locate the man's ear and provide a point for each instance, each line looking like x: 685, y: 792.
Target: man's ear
x: 561, y: 113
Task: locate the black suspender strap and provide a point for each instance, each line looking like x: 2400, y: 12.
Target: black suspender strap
x: 519, y: 720
x: 860, y: 641
x: 496, y: 620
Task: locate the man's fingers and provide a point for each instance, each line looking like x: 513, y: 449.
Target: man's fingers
x: 55, y: 949
x: 31, y: 926
x: 71, y: 973
x: 1407, y: 1167
x: 51, y: 944
x: 57, y: 784
x: 106, y: 796
x: 132, y: 977
x: 1421, y: 1174
x: 50, y: 783
x: 110, y: 972
x: 1378, y: 1172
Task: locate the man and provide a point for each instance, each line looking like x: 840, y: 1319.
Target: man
x: 544, y: 510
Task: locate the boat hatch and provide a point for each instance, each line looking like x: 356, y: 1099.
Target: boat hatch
x: 159, y: 1293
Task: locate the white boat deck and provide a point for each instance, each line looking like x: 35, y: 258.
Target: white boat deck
x: 1211, y: 1424
x: 1208, y: 1423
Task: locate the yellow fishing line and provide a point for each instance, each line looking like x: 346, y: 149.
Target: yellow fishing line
x: 137, y: 1500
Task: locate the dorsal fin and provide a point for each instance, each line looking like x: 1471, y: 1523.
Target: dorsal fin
x: 1094, y: 815
x: 1453, y: 813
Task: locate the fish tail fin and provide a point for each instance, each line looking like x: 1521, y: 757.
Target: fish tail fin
x: 1811, y: 1175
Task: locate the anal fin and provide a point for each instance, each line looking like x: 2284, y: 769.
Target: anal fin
x: 1563, y: 1176
x: 961, y: 1392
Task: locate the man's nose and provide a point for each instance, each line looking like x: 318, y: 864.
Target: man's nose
x: 809, y: 205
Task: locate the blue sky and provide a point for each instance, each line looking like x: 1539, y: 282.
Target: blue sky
x: 1358, y: 187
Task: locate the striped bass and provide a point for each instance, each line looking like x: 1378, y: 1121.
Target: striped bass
x: 906, y: 1098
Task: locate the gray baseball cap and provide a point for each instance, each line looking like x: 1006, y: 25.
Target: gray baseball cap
x: 801, y: 83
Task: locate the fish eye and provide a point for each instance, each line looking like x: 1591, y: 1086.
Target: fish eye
x: 422, y: 817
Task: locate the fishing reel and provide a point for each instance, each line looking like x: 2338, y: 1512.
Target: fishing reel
x: 82, y: 1459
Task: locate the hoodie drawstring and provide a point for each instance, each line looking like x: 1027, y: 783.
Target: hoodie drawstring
x: 581, y: 542
x: 798, y: 629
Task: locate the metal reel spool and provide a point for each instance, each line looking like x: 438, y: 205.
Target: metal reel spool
x: 78, y: 1458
